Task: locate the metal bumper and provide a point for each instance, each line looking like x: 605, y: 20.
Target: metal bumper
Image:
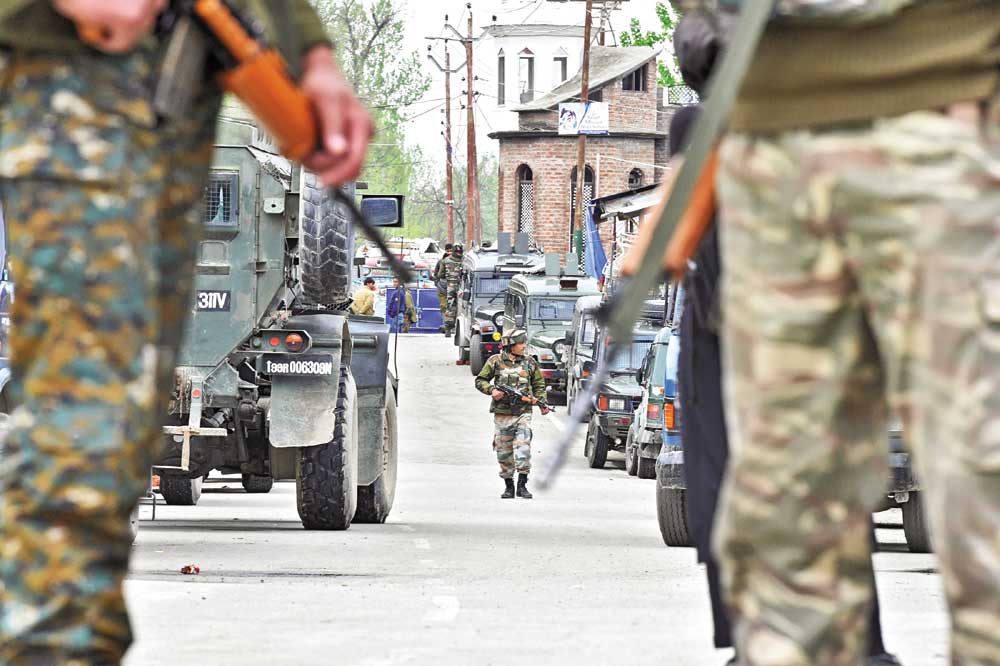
x: 192, y: 429
x: 650, y: 441
x: 614, y: 425
x: 901, y: 477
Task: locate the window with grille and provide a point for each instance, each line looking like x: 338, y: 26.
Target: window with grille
x: 525, y: 201
x: 588, y: 195
x: 636, y: 81
x: 222, y: 197
x: 635, y: 179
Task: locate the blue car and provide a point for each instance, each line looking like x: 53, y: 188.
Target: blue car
x: 902, y: 491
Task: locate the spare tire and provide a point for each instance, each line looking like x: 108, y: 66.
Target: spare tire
x: 326, y: 244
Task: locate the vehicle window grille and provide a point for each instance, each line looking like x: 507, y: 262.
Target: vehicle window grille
x: 489, y: 286
x: 221, y: 200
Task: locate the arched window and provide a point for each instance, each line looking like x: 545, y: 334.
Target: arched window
x: 635, y: 179
x: 588, y: 194
x: 526, y: 75
x: 501, y: 78
x: 525, y: 200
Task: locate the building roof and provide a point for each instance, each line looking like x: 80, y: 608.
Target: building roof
x: 607, y: 63
x: 536, y: 30
x: 629, y: 203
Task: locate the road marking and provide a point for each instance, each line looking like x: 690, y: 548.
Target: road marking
x: 447, y: 609
x: 422, y: 544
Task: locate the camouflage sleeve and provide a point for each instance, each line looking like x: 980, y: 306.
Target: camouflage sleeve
x: 537, y: 382
x: 311, y: 30
x: 485, y: 377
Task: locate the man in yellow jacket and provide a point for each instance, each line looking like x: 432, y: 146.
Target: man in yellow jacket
x: 102, y: 200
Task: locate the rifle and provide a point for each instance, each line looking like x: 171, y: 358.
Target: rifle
x: 515, y: 397
x: 203, y: 38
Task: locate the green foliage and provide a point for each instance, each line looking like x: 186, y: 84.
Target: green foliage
x: 634, y: 36
x: 367, y: 36
x: 427, y: 210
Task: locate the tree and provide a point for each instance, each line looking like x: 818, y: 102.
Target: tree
x: 427, y: 208
x: 367, y: 36
x: 669, y: 70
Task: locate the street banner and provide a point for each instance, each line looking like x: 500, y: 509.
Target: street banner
x: 577, y: 118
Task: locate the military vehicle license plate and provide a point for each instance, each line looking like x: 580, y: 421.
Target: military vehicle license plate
x: 299, y: 365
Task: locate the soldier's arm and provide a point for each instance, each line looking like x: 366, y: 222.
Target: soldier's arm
x: 485, y: 377
x: 537, y: 383
x: 310, y: 27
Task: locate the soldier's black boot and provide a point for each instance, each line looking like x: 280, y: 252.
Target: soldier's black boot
x: 508, y: 493
x: 522, y: 487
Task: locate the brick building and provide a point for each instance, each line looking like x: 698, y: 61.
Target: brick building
x: 538, y: 166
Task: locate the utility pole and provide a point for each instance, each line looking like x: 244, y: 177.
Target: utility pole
x: 473, y: 231
x: 581, y: 150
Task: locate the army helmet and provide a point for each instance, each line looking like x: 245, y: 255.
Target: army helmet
x: 457, y: 248
x: 516, y: 336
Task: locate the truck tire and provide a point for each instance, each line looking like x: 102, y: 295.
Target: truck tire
x: 375, y: 500
x: 325, y: 475
x: 257, y: 483
x: 326, y: 245
x: 645, y: 467
x: 476, y: 360
x: 597, y: 445
x: 631, y: 456
x: 671, y: 514
x: 918, y: 538
x: 180, y: 490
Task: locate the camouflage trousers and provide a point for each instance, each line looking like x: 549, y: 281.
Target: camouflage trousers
x: 451, y: 305
x: 443, y: 303
x: 103, y: 212
x: 512, y: 442
x: 862, y: 278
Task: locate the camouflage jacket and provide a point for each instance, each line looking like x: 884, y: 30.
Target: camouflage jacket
x: 520, y: 372
x: 34, y: 25
x: 450, y: 270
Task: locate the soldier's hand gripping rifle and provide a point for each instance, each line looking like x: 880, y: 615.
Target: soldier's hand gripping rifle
x: 208, y: 38
x: 515, y: 397
x: 692, y: 185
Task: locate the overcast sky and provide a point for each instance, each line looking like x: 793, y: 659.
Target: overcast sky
x: 426, y: 18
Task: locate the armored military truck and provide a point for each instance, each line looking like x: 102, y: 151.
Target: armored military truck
x: 544, y: 306
x: 486, y: 272
x: 274, y: 379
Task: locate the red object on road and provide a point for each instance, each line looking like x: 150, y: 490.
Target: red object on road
x: 191, y: 570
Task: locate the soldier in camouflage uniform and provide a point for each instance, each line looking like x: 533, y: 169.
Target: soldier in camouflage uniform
x: 861, y: 237
x: 102, y: 201
x: 512, y: 421
x: 451, y: 272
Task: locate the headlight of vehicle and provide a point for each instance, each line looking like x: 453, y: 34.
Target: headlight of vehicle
x: 559, y: 348
x: 616, y: 404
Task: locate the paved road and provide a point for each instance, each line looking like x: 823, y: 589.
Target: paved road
x: 456, y: 576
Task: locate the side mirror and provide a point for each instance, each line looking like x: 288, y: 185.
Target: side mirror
x: 383, y: 211
x: 360, y: 261
x: 638, y: 376
x: 466, y: 294
x: 570, y: 338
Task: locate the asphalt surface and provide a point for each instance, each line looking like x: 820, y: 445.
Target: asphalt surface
x: 579, y: 575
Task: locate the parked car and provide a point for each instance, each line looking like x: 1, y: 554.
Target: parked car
x: 544, y: 306
x: 618, y: 398
x: 645, y: 436
x: 486, y: 272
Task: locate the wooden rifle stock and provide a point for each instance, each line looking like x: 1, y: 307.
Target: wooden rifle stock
x: 690, y: 230
x: 260, y: 79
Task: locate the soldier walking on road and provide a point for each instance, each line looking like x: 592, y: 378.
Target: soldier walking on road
x: 859, y: 192
x: 451, y: 272
x: 103, y: 203
x: 442, y: 283
x: 512, y: 420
